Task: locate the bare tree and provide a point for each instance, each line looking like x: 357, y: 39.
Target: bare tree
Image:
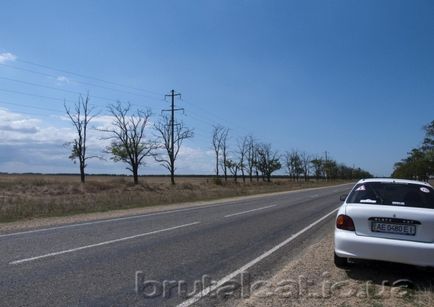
x: 164, y: 130
x: 293, y: 164
x: 318, y: 166
x: 129, y: 142
x: 216, y: 143
x: 219, y: 143
x: 80, y: 118
x: 268, y: 161
x: 224, y: 148
x: 243, y: 148
x: 233, y: 167
x: 305, y: 159
x: 251, y: 157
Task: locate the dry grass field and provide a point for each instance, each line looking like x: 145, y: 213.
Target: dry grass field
x: 29, y: 196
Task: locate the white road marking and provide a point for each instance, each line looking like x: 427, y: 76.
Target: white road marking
x: 232, y: 275
x: 222, y: 203
x: 104, y: 221
x: 100, y: 244
x: 243, y: 212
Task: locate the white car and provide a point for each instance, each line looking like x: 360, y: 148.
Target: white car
x: 387, y: 220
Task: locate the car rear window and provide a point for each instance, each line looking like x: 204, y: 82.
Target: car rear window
x: 393, y: 194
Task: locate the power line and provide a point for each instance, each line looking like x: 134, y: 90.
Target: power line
x: 213, y: 121
x: 213, y: 118
x: 58, y: 89
x: 218, y: 120
x: 61, y: 112
x: 113, y: 83
x: 38, y: 96
x: 88, y: 77
x: 55, y: 89
x: 29, y: 106
x: 32, y: 95
x: 190, y: 114
x: 39, y: 115
x: 56, y: 112
x: 75, y: 80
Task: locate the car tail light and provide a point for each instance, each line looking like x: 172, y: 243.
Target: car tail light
x: 344, y: 222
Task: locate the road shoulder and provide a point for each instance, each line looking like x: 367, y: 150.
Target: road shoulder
x: 313, y: 280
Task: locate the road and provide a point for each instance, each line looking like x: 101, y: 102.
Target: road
x: 126, y: 261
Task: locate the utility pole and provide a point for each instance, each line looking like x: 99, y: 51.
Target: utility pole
x: 326, y: 166
x: 171, y: 152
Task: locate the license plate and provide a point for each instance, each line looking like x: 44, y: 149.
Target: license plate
x: 401, y: 229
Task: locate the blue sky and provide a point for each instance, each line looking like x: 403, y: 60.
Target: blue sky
x: 355, y: 78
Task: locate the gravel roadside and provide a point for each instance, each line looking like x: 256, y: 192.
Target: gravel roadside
x: 313, y: 280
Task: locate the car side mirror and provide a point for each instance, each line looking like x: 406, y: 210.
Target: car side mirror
x: 343, y: 197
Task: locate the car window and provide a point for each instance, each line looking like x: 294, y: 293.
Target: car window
x: 393, y: 194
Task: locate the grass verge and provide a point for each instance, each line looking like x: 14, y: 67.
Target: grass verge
x: 33, y: 196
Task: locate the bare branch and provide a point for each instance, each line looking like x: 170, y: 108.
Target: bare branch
x: 167, y: 156
x: 80, y: 118
x: 219, y: 143
x: 129, y: 142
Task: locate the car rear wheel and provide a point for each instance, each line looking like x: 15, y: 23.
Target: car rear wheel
x: 341, y: 262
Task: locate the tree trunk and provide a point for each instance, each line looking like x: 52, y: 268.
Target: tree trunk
x: 172, y: 175
x: 217, y: 164
x: 82, y: 173
x: 135, y: 175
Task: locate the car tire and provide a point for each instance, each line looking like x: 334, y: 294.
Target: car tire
x: 341, y: 262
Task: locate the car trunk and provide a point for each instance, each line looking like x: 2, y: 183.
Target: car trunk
x: 393, y: 222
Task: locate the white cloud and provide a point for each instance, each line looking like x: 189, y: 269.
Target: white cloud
x: 103, y: 121
x: 13, y: 124
x: 7, y: 57
x: 194, y: 160
x: 62, y: 80
x: 32, y: 144
x: 14, y: 128
x: 17, y: 128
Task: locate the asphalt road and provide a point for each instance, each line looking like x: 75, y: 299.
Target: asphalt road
x: 130, y: 261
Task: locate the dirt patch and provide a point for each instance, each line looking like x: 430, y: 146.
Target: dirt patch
x: 313, y: 280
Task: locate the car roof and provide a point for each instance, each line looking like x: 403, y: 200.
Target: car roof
x: 394, y: 180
